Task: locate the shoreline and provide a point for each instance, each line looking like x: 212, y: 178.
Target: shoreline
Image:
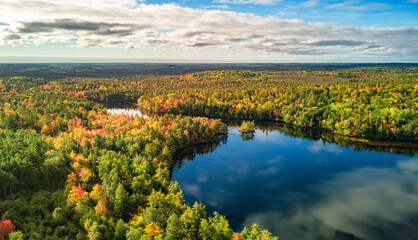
x: 372, y: 142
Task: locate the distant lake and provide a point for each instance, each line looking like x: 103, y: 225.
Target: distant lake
x: 127, y: 111
x: 301, y: 184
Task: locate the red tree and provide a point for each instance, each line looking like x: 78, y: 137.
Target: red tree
x: 6, y: 227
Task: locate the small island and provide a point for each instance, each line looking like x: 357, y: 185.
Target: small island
x: 247, y: 127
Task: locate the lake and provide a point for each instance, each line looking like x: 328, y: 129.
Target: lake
x: 127, y: 111
x: 302, y: 184
x: 304, y: 189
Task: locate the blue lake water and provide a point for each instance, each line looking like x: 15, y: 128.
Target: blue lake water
x: 305, y: 189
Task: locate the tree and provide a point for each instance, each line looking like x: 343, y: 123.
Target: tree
x: 121, y: 202
x: 120, y: 230
x: 6, y: 227
x: 59, y: 216
x: 54, y: 167
x: 16, y: 235
x: 94, y: 233
x: 221, y: 227
x: 256, y: 234
x: 153, y: 229
x: 174, y: 230
x: 206, y: 231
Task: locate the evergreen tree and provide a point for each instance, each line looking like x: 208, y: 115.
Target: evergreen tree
x: 175, y: 230
x: 121, y: 202
x: 120, y: 230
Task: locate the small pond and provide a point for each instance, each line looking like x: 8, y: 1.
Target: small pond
x: 127, y: 111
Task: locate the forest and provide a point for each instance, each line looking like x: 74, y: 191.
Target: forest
x: 70, y: 170
x: 363, y: 102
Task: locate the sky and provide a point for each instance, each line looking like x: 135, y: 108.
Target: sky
x: 250, y: 31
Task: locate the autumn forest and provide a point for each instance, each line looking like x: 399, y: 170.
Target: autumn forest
x: 71, y: 170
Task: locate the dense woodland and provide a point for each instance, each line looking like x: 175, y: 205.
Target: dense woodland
x: 373, y: 105
x: 69, y: 170
x: 365, y: 102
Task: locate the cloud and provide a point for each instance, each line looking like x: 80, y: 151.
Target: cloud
x: 75, y: 25
x: 357, y: 6
x: 288, y: 13
x: 368, y: 203
x: 13, y: 36
x: 163, y: 49
x: 347, y: 43
x: 215, y: 6
x: 310, y: 3
x: 261, y: 2
x: 270, y: 171
x: 319, y: 146
x: 272, y: 137
x: 132, y: 25
x: 193, y: 190
x: 127, y: 112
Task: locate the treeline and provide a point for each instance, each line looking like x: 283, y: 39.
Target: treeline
x: 364, y: 102
x: 109, y: 70
x: 377, y: 107
x: 69, y: 170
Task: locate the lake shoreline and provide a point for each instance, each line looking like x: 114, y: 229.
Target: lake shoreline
x: 372, y: 142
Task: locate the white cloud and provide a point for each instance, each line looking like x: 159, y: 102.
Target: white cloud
x: 128, y: 24
x: 368, y: 203
x: 215, y: 6
x: 271, y: 136
x: 357, y: 6
x: 193, y: 190
x: 319, y: 146
x: 288, y: 13
x: 310, y: 3
x: 163, y: 49
x: 261, y: 2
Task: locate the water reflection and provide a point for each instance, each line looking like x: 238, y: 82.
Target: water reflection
x: 247, y: 136
x: 189, y: 154
x: 406, y: 148
x: 301, y: 184
x: 367, y: 203
x: 127, y: 111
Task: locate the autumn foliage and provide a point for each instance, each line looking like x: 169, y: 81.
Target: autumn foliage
x: 6, y: 227
x: 117, y: 167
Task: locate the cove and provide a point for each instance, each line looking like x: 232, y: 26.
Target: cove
x: 302, y: 184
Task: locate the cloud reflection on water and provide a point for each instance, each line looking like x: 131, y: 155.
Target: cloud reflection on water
x: 367, y: 203
x: 127, y: 112
x: 319, y: 146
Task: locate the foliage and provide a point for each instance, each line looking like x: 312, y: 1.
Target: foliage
x: 116, y: 168
x: 17, y: 235
x: 152, y: 229
x: 256, y: 234
x: 6, y: 227
x: 247, y: 126
x: 360, y: 103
